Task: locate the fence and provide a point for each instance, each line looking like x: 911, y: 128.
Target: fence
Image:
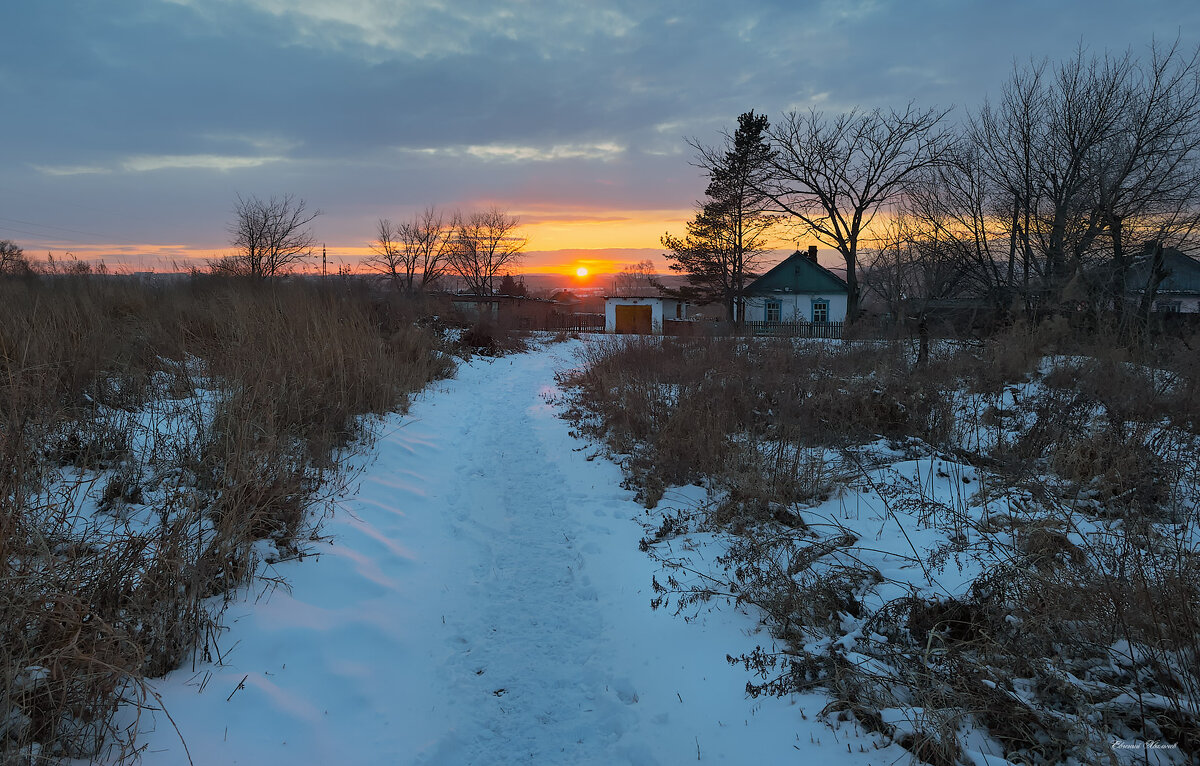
x: 831, y: 330
x: 571, y: 323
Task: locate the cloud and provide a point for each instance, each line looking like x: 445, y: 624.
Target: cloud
x: 70, y: 170
x: 519, y: 153
x: 144, y: 163
x: 513, y: 153
x: 149, y: 162
x: 552, y: 106
x: 532, y: 219
x: 431, y: 29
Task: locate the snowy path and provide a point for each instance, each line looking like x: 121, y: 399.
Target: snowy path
x: 483, y: 601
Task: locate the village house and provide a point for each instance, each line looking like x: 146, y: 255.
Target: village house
x: 797, y: 290
x: 1178, y: 292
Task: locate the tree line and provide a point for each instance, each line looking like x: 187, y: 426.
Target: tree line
x: 272, y: 237
x: 1040, y: 201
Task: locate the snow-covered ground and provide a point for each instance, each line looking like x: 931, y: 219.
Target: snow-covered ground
x: 482, y: 599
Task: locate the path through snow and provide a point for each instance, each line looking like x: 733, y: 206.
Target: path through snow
x: 483, y: 601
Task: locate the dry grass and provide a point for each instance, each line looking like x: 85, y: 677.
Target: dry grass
x: 1064, y: 641
x: 90, y: 607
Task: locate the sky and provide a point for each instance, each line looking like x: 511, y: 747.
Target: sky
x: 132, y: 125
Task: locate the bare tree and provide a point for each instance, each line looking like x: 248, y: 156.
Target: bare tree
x: 12, y: 259
x: 635, y: 278
x: 1084, y: 157
x: 946, y: 217
x: 1007, y: 137
x: 482, y: 245
x: 413, y: 254
x: 1147, y: 175
x: 269, y: 236
x: 833, y: 175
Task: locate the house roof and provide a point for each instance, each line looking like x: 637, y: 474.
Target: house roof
x: 497, y: 298
x: 1183, y: 273
x: 641, y: 297
x: 797, y: 274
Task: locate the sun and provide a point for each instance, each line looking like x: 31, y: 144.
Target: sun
x: 581, y: 271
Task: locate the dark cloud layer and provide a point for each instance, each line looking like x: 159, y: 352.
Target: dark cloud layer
x: 136, y: 121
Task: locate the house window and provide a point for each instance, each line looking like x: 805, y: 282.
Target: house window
x: 820, y: 311
x: 774, y: 311
x: 1169, y: 307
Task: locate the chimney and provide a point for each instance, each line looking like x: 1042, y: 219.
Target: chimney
x: 812, y: 253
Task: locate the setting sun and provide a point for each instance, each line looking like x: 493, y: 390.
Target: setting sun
x: 581, y: 271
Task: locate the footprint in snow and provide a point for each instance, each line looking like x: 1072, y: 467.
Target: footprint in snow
x: 625, y: 691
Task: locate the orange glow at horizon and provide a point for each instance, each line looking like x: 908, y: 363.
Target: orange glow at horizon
x: 600, y: 229
x: 569, y: 241
x: 547, y: 231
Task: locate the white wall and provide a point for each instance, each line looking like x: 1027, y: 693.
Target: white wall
x: 1188, y: 304
x: 796, y: 307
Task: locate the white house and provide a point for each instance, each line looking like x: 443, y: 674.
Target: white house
x: 797, y: 290
x: 1179, y: 290
x: 641, y: 314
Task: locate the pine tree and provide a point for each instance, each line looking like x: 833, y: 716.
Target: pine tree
x: 726, y: 240
x: 508, y: 286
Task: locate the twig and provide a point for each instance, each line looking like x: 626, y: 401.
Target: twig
x: 241, y: 685
x: 187, y: 754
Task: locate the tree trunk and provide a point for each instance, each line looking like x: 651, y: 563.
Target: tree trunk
x: 1012, y: 244
x: 1157, y: 275
x: 1120, y: 268
x: 923, y: 339
x: 851, y: 287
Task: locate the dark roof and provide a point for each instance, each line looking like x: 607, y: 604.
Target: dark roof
x: 496, y: 298
x: 797, y: 274
x: 659, y: 296
x: 1183, y: 273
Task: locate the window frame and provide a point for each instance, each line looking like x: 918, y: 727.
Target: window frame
x: 823, y: 305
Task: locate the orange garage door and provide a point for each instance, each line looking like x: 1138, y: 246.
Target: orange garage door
x: 634, y: 319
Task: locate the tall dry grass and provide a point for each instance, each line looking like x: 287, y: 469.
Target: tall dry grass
x: 1068, y: 433
x: 90, y: 607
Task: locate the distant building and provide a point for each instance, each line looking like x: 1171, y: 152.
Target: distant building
x: 512, y: 311
x: 797, y: 290
x: 1178, y: 292
x: 641, y: 314
x: 567, y: 299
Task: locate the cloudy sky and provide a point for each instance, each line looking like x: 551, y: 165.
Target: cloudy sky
x: 131, y: 125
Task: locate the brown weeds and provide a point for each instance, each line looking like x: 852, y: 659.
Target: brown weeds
x: 92, y: 606
x: 1084, y: 622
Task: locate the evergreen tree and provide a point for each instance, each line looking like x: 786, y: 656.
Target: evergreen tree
x: 725, y: 242
x: 509, y: 286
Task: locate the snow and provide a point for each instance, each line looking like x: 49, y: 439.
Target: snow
x: 482, y: 599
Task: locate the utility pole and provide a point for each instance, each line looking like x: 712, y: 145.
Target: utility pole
x: 324, y: 262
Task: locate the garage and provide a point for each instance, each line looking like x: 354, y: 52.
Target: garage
x: 641, y: 314
x: 634, y: 319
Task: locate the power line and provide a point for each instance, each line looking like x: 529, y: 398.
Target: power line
x: 106, y: 239
x: 49, y: 226
x: 40, y: 235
